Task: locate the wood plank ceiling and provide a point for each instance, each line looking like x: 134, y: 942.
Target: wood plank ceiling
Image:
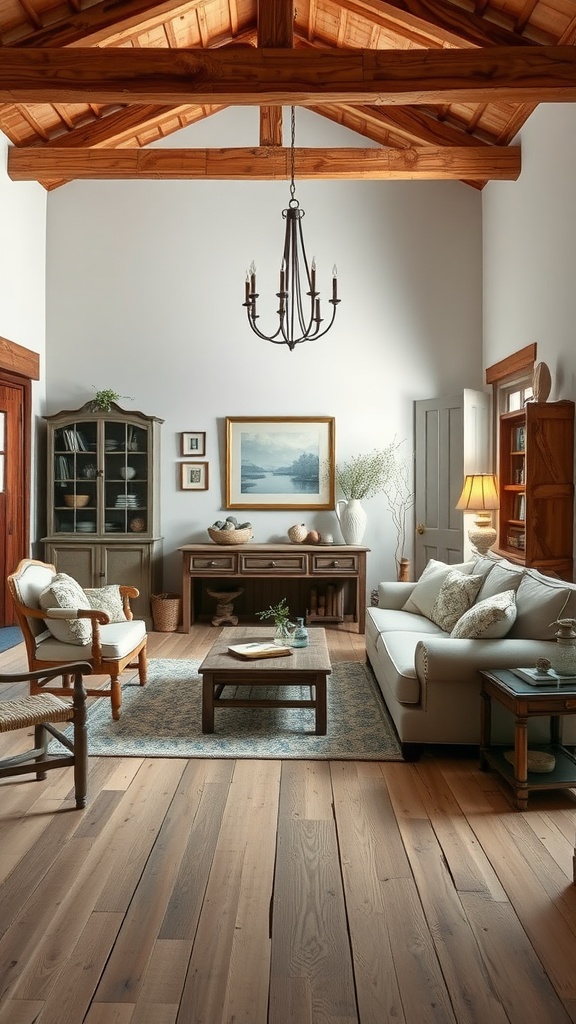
x: 442, y: 87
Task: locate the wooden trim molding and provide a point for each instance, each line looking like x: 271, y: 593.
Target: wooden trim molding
x: 17, y: 359
x: 518, y: 362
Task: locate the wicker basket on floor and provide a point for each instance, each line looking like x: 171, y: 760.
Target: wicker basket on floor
x: 166, y: 612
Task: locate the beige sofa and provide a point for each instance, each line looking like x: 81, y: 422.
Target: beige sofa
x: 429, y: 678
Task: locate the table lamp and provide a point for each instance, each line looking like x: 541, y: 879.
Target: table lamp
x: 480, y: 495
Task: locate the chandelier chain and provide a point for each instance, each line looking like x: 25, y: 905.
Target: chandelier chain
x: 292, y: 145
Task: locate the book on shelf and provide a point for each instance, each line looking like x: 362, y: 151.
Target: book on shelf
x: 537, y: 677
x: 259, y: 650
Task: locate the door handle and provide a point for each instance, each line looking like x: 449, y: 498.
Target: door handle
x: 420, y: 528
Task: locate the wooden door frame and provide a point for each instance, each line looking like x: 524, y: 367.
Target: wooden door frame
x: 19, y: 366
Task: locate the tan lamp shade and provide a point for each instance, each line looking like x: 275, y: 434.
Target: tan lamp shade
x: 480, y: 495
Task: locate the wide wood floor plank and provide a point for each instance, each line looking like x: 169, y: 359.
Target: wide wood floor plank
x: 123, y: 976
x: 306, y: 791
x: 365, y: 821
x: 310, y: 947
x: 228, y: 974
x: 142, y: 811
x: 211, y: 784
x: 518, y: 976
x: 70, y: 999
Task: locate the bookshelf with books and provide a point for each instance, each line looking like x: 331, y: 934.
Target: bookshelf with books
x: 103, y: 508
x: 536, y: 460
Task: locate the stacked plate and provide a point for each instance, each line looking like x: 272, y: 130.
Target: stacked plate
x: 127, y: 501
x: 111, y: 446
x: 113, y: 528
x: 85, y: 527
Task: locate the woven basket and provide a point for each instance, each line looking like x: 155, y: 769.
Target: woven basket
x: 166, y: 611
x: 230, y: 536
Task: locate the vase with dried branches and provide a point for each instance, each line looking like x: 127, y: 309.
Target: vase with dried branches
x: 400, y: 498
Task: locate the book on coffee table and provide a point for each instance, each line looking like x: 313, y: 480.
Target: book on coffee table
x: 259, y: 650
x: 536, y: 677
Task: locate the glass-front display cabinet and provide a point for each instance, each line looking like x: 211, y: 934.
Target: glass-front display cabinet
x: 103, y: 486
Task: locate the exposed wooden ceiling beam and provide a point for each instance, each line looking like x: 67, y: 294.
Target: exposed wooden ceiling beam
x: 249, y: 76
x: 447, y: 21
x: 267, y: 163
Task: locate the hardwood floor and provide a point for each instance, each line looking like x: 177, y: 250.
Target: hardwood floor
x: 207, y: 891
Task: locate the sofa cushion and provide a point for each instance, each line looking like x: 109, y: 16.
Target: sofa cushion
x: 501, y: 577
x: 456, y: 594
x: 64, y: 592
x: 428, y: 586
x: 107, y: 599
x: 540, y: 600
x: 387, y: 620
x: 488, y: 619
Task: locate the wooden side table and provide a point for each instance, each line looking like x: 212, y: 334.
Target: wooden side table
x: 526, y: 701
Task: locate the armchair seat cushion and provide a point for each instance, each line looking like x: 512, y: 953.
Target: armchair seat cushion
x: 118, y: 640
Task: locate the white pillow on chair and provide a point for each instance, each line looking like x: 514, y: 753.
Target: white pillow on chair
x: 65, y: 592
x: 107, y: 599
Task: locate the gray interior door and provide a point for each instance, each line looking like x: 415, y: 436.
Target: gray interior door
x: 452, y: 438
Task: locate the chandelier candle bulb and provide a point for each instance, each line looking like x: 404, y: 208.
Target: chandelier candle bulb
x: 313, y: 275
x: 334, y: 282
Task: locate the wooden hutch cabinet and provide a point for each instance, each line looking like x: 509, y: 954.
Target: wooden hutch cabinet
x: 103, y: 514
x: 536, y: 470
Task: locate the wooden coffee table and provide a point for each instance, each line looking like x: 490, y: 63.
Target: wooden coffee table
x: 305, y: 666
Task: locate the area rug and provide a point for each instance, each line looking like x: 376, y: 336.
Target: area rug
x: 162, y: 719
x: 10, y: 636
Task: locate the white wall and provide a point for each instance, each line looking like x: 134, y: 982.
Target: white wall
x: 23, y: 276
x: 529, y: 229
x: 145, y: 291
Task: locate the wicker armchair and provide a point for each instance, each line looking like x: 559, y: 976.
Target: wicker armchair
x: 43, y: 712
x: 112, y: 646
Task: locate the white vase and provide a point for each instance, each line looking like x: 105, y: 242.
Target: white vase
x: 352, y: 520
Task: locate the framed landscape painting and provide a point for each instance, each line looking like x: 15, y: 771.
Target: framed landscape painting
x: 280, y: 462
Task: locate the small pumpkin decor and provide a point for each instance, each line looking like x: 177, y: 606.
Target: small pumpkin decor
x: 298, y: 533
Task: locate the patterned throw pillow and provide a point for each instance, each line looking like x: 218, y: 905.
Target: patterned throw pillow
x: 456, y: 595
x: 65, y: 592
x: 422, y: 598
x: 487, y: 619
x: 107, y: 599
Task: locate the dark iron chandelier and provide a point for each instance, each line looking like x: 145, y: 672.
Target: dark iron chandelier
x: 295, y: 323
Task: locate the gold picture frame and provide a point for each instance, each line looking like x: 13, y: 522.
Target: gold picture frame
x: 280, y: 462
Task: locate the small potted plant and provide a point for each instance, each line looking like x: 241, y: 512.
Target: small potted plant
x: 102, y: 401
x: 280, y: 614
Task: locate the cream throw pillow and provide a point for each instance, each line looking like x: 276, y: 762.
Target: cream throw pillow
x: 422, y: 598
x: 457, y: 593
x: 487, y: 620
x: 65, y: 592
x: 107, y: 599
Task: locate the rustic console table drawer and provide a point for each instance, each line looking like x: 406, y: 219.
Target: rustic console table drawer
x: 275, y: 562
x: 328, y: 584
x: 209, y: 564
x: 335, y: 563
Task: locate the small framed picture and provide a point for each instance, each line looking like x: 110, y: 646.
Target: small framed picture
x: 194, y: 476
x: 194, y: 442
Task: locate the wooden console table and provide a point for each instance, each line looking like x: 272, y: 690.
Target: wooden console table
x: 322, y: 565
